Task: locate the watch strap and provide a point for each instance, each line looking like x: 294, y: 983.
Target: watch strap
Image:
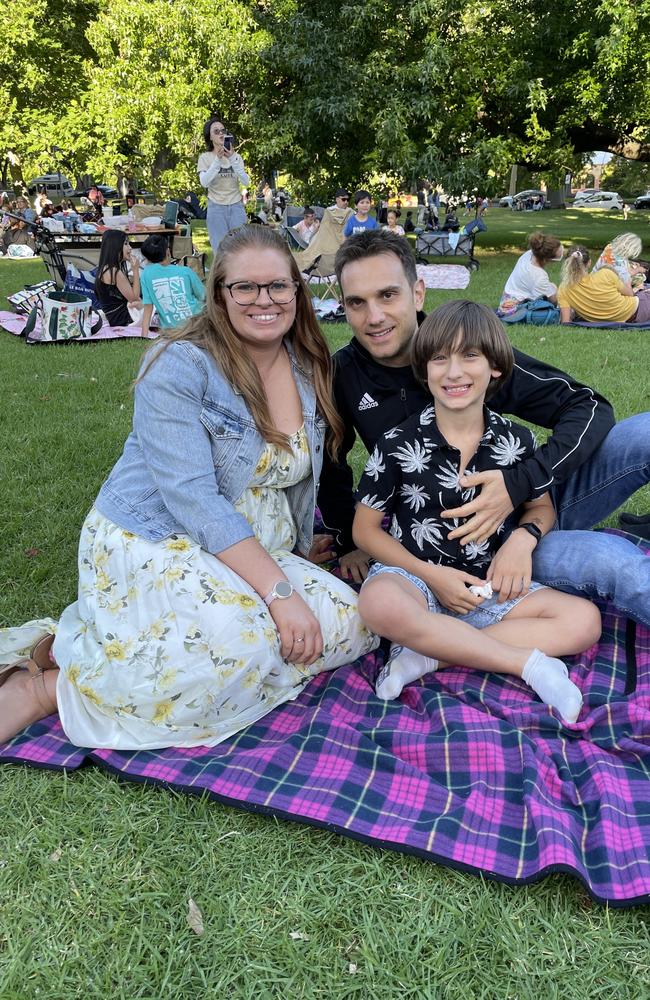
x: 532, y: 529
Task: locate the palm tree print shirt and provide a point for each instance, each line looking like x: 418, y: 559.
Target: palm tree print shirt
x: 412, y: 476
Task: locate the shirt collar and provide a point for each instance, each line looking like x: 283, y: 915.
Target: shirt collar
x: 429, y: 428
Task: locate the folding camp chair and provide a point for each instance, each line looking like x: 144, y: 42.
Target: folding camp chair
x: 292, y: 215
x: 56, y: 254
x: 294, y: 241
x: 322, y: 271
x: 317, y: 260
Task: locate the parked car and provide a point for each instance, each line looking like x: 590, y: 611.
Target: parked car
x: 643, y: 201
x: 584, y: 194
x: 106, y: 190
x: 603, y: 200
x: 506, y: 201
x: 56, y: 186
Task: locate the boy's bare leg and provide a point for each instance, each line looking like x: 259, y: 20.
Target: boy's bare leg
x: 560, y: 624
x: 25, y: 698
x: 393, y: 607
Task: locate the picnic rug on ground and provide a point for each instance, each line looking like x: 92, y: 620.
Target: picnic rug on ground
x: 14, y: 323
x: 466, y: 769
x: 602, y: 325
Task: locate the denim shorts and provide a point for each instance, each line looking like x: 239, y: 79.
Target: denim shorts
x: 489, y: 612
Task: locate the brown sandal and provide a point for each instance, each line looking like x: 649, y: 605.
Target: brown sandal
x: 36, y: 663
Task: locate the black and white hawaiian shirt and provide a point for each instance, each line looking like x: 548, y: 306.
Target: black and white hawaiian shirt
x: 412, y: 476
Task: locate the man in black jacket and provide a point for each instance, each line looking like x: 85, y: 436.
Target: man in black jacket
x: 590, y: 464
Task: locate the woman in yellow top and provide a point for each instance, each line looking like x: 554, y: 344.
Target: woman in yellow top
x: 599, y: 296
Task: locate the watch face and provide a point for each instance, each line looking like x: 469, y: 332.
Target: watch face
x: 283, y: 589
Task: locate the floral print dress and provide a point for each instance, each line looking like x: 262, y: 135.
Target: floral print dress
x: 166, y: 646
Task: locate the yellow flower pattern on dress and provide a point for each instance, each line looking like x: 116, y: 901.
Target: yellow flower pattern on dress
x: 166, y: 646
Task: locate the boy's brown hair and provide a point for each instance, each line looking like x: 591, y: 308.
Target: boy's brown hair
x: 460, y: 325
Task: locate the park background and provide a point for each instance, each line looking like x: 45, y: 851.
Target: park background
x: 96, y: 874
x: 457, y: 91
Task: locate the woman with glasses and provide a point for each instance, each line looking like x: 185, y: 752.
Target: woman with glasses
x: 197, y: 610
x: 221, y: 172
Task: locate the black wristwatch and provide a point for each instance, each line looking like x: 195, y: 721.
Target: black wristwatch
x: 532, y: 529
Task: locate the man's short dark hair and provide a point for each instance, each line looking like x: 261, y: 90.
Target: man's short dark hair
x: 372, y: 243
x: 342, y: 193
x: 459, y: 325
x: 155, y: 248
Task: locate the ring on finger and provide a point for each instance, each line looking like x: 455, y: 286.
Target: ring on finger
x: 299, y: 638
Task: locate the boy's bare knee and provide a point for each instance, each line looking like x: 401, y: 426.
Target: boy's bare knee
x: 377, y: 603
x: 593, y: 623
x: 585, y: 623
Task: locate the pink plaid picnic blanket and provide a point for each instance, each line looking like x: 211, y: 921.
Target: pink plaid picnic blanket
x: 466, y: 769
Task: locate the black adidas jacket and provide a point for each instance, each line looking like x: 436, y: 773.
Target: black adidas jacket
x: 371, y: 398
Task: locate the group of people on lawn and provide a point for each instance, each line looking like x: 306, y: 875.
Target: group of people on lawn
x: 205, y: 598
x: 614, y: 291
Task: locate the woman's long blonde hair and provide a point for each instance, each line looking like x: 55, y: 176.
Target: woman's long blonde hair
x: 627, y: 245
x: 212, y: 331
x: 575, y: 266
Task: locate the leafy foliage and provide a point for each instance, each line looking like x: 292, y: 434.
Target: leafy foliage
x: 360, y: 92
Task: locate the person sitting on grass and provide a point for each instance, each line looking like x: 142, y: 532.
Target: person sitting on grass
x: 600, y: 296
x: 16, y: 233
x: 528, y: 280
x: 421, y: 593
x: 175, y: 291
x: 361, y: 220
x: 620, y: 256
x: 451, y: 223
x: 114, y: 289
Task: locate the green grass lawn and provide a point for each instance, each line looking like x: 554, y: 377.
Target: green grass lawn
x: 95, y: 874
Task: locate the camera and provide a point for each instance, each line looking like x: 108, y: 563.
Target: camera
x: 228, y: 141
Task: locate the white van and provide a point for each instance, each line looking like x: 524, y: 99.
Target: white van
x: 56, y: 186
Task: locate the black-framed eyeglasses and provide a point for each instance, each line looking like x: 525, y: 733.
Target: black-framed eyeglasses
x: 245, y: 293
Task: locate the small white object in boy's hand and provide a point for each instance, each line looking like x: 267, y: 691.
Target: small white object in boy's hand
x: 484, y: 591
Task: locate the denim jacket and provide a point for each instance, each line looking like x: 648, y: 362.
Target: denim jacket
x: 193, y: 451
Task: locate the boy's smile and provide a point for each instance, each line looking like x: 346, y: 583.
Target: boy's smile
x: 458, y: 379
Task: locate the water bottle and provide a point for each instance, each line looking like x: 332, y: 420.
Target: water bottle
x: 131, y: 223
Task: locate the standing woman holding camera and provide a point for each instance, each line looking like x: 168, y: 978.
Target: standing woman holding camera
x: 221, y: 171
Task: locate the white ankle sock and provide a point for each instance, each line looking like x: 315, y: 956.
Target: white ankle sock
x: 549, y: 679
x: 402, y: 667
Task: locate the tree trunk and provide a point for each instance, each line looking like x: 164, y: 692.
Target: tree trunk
x: 555, y: 197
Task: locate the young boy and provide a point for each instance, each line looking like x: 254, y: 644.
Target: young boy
x: 361, y: 220
x: 418, y: 593
x: 175, y: 291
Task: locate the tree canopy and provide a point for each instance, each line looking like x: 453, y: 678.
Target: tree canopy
x: 452, y: 90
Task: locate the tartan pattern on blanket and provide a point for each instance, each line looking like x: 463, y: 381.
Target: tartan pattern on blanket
x: 467, y: 769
